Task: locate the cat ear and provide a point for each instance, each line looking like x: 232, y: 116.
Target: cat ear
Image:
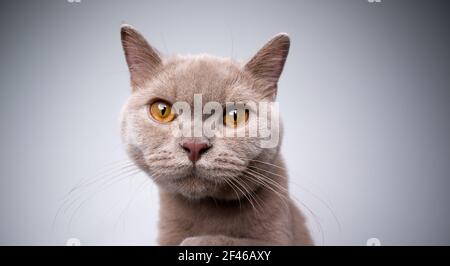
x: 142, y: 59
x: 268, y: 62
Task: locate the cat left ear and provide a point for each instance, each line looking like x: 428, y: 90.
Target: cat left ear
x: 268, y: 63
x: 142, y: 59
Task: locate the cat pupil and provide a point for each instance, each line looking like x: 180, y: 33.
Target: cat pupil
x: 235, y: 115
x: 162, y: 108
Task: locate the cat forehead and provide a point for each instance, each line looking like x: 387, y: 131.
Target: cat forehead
x: 215, y: 78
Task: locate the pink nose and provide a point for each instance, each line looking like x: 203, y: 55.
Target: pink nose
x: 195, y: 150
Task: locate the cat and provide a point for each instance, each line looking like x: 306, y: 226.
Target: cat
x: 213, y: 190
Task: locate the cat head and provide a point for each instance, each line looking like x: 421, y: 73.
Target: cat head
x: 170, y: 94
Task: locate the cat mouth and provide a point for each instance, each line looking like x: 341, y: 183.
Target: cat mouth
x: 199, y: 172
x: 202, y: 170
x: 197, y: 176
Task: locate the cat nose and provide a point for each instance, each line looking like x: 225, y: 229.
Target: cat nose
x: 195, y: 149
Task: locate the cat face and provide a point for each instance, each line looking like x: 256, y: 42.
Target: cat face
x: 193, y: 165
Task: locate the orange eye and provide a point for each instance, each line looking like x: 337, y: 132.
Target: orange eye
x: 161, y: 111
x: 235, y: 117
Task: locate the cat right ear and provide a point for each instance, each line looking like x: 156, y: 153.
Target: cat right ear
x: 268, y: 63
x: 142, y: 59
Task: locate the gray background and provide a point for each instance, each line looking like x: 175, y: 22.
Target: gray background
x: 364, y: 95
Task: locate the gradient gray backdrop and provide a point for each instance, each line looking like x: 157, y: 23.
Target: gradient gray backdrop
x: 365, y: 97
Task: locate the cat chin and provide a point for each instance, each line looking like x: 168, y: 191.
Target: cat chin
x: 197, y: 182
x: 196, y: 188
x: 190, y: 190
x: 196, y: 194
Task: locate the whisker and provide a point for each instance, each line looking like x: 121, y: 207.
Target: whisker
x: 130, y: 201
x: 269, y: 180
x: 244, y: 192
x: 263, y: 182
x: 315, y: 217
x: 75, y: 212
x: 105, y: 179
x: 70, y: 198
x: 252, y: 195
x: 263, y: 162
x: 308, y: 191
x: 232, y: 186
